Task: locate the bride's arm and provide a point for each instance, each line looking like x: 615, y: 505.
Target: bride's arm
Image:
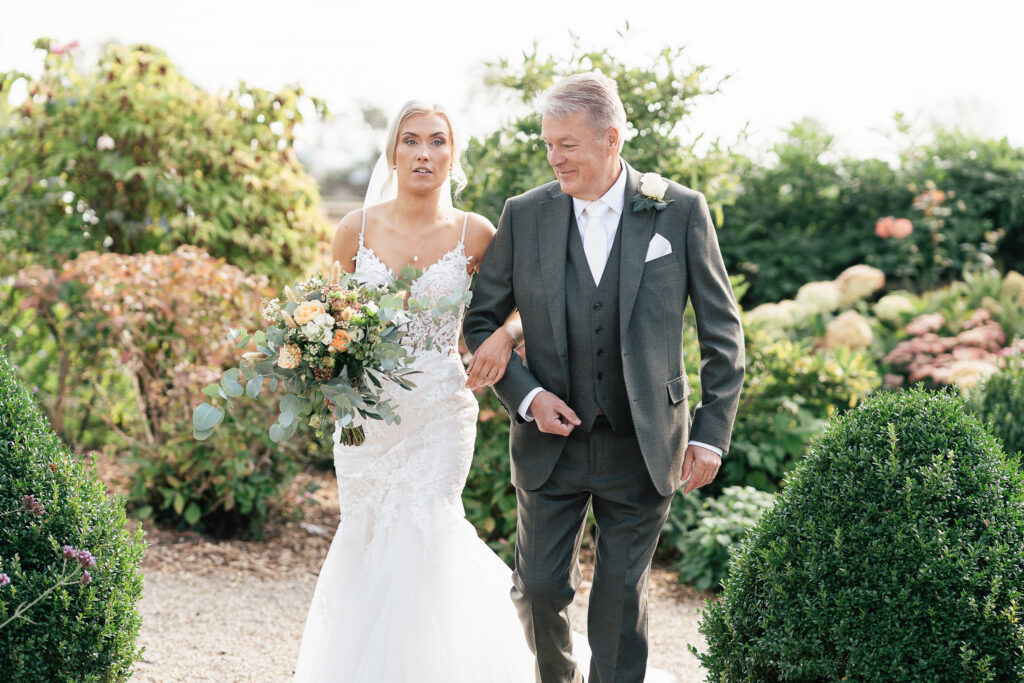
x: 491, y: 358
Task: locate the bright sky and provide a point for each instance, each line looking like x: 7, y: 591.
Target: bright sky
x: 850, y: 65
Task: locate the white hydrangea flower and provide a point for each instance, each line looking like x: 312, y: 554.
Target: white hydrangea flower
x: 818, y: 297
x: 848, y: 329
x: 858, y: 282
x: 892, y: 307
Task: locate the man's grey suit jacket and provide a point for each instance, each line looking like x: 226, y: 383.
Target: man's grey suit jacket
x: 524, y: 269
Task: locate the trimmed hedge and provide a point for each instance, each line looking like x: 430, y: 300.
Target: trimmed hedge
x: 894, y: 552
x: 79, y: 629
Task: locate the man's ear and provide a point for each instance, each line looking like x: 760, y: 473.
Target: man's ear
x: 613, y: 139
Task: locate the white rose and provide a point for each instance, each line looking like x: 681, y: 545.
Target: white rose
x: 325, y: 320
x: 653, y: 185
x: 370, y: 306
x: 355, y: 334
x: 104, y: 142
x: 327, y: 336
x: 312, y: 331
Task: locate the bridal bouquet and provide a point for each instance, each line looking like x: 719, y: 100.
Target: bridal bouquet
x: 334, y: 340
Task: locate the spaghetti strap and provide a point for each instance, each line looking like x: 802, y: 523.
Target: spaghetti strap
x: 362, y: 230
x: 462, y: 240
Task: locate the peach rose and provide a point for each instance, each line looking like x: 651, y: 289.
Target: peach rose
x: 308, y: 310
x: 883, y: 226
x: 901, y: 228
x: 340, y: 341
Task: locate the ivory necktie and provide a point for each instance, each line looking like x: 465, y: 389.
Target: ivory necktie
x: 595, y: 243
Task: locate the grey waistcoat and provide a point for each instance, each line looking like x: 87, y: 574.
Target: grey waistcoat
x: 592, y: 320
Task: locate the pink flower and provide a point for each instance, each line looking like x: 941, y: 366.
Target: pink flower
x: 922, y: 324
x: 901, y: 228
x: 86, y: 578
x: 883, y: 227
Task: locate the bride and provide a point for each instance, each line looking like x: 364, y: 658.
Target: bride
x: 408, y: 592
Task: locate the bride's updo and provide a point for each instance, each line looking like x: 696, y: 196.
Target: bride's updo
x: 416, y: 108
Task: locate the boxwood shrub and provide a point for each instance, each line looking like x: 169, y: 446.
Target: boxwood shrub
x: 1000, y: 402
x: 895, y: 552
x: 56, y: 623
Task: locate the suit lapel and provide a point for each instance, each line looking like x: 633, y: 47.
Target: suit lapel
x: 637, y: 230
x: 553, y: 219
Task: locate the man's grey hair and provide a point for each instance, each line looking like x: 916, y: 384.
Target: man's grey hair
x: 592, y: 93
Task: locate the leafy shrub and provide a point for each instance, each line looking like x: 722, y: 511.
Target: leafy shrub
x: 162, y: 322
x: 1000, y: 402
x: 789, y: 391
x: 489, y: 497
x: 658, y: 97
x: 68, y: 628
x: 130, y: 156
x: 805, y: 214
x: 894, y: 552
x: 702, y: 533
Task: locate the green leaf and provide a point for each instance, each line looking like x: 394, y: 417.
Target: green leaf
x: 205, y: 417
x: 192, y: 513
x: 253, y: 386
x: 179, y: 503
x: 276, y: 432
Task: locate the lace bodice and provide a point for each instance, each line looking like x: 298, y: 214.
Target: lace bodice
x: 445, y: 277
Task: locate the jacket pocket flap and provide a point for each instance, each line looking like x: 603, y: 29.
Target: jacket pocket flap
x: 678, y: 389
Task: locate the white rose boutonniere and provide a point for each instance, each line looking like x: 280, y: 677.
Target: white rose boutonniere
x: 652, y: 193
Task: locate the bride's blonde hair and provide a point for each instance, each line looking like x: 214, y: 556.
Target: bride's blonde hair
x: 417, y: 108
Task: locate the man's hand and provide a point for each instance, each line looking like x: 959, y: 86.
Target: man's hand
x: 553, y: 416
x: 699, y: 466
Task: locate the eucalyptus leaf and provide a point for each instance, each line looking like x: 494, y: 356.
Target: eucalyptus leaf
x: 205, y: 417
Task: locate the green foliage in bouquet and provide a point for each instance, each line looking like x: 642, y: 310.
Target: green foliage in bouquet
x: 66, y: 613
x: 335, y: 347
x: 129, y: 156
x: 659, y: 95
x: 119, y: 345
x: 1000, y: 403
x: 894, y: 552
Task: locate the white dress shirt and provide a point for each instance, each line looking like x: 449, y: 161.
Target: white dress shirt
x: 615, y: 199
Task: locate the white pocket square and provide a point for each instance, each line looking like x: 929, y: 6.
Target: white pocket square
x: 658, y: 247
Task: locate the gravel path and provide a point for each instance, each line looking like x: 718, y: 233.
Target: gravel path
x: 234, y: 611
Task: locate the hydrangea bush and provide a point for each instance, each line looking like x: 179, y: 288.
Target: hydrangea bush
x: 158, y: 325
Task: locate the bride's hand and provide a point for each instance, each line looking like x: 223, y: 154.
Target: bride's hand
x: 490, y: 360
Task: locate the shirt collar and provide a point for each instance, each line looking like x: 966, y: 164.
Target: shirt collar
x: 615, y: 197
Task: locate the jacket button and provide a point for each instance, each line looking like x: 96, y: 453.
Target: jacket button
x: 600, y: 352
x: 597, y: 306
x: 600, y: 376
x: 597, y: 330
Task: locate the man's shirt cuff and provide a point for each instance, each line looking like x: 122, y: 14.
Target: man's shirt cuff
x: 708, y: 446
x: 524, y: 407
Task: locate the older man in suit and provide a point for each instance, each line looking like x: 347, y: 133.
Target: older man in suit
x: 600, y: 265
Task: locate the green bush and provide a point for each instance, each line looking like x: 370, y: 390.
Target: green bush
x: 789, y: 391
x: 894, y: 552
x: 702, y: 532
x: 1000, y: 403
x: 489, y: 497
x: 130, y: 156
x: 66, y: 630
x: 149, y: 331
x: 658, y: 97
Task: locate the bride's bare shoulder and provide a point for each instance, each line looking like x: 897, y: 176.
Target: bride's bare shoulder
x: 479, y: 233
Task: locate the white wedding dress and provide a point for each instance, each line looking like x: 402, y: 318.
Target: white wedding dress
x: 408, y: 593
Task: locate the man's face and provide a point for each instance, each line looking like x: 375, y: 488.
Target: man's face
x: 585, y: 160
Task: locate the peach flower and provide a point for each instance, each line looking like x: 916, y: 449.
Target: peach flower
x: 340, y: 341
x: 307, y: 311
x: 290, y: 357
x: 901, y: 228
